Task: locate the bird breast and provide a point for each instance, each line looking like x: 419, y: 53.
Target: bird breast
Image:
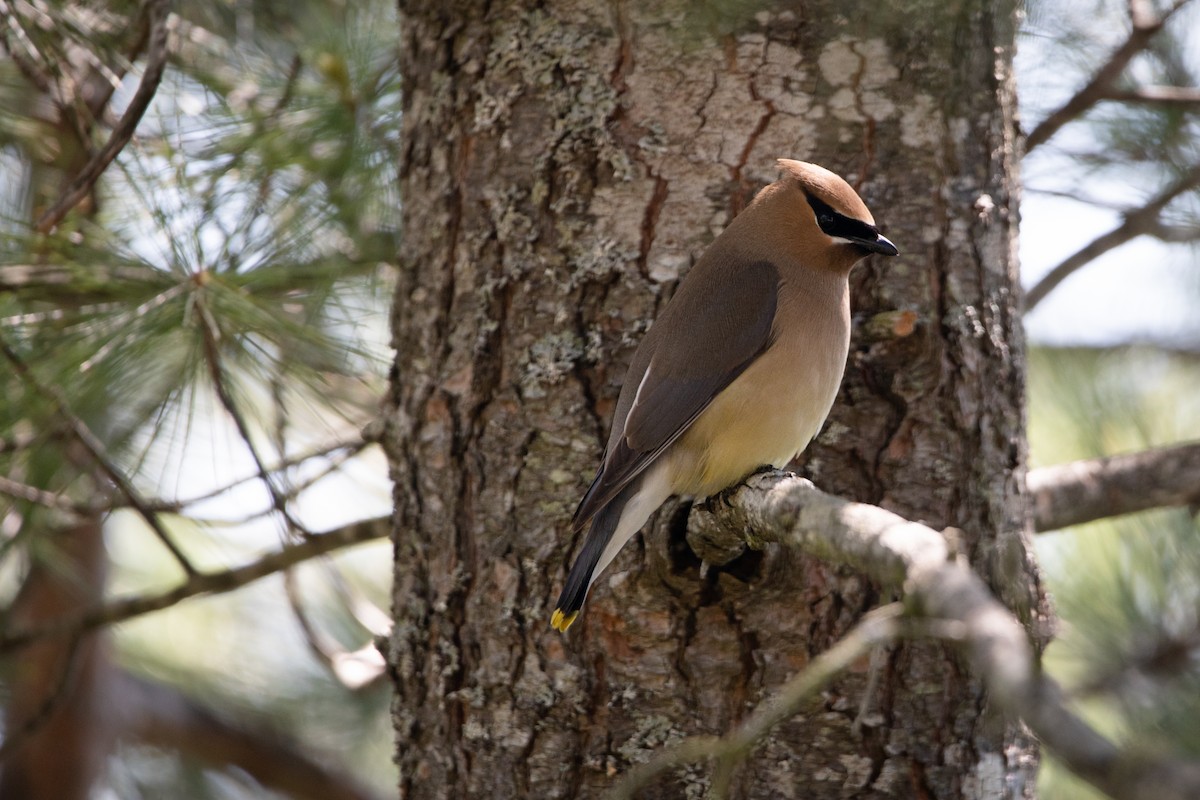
x: 770, y: 412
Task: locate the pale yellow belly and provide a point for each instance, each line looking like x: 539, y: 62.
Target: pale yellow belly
x: 766, y: 416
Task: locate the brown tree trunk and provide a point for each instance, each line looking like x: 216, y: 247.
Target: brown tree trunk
x: 56, y: 723
x: 562, y: 168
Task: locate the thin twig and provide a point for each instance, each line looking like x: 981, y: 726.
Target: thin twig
x: 348, y: 668
x: 99, y: 279
x: 125, y: 608
x: 1138, y: 222
x: 321, y: 647
x: 211, y: 334
x: 95, y: 448
x: 1076, y: 195
x: 51, y: 500
x: 152, y: 75
x: 98, y: 102
x: 32, y: 494
x: 1091, y: 489
x: 353, y: 669
x: 878, y: 627
x: 327, y: 650
x: 338, y: 454
x: 1144, y: 26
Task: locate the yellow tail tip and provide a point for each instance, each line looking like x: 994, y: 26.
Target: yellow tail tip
x: 560, y: 621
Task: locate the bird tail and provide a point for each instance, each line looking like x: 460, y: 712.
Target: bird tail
x: 614, y: 524
x: 587, y: 565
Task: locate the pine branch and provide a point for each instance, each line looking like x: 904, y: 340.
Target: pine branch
x: 1145, y: 25
x: 32, y: 494
x: 211, y: 335
x: 156, y: 62
x: 99, y: 281
x: 95, y: 448
x: 125, y: 608
x: 1144, y: 220
x: 1082, y: 491
x: 891, y: 550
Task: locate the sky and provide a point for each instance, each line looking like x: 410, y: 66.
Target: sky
x: 1142, y: 291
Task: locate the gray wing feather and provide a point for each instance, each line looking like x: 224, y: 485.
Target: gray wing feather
x: 700, y: 344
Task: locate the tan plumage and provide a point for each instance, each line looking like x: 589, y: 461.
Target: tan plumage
x: 741, y: 368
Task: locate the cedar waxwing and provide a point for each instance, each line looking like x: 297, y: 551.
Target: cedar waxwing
x: 740, y: 369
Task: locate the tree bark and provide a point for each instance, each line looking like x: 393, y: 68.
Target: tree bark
x: 561, y: 170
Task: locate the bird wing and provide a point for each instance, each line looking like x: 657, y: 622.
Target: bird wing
x: 704, y: 340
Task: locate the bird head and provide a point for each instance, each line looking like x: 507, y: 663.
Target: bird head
x: 838, y: 211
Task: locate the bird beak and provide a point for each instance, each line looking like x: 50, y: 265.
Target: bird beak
x: 880, y: 244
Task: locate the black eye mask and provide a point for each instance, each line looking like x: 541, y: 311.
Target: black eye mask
x: 839, y: 226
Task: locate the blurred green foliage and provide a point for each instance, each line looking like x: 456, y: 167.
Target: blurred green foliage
x: 1127, y: 590
x: 221, y: 306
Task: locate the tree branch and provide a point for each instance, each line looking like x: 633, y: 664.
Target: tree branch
x: 1082, y: 491
x: 124, y: 608
x: 782, y: 508
x: 1176, y: 234
x: 1145, y: 25
x: 1141, y: 221
x: 155, y: 64
x: 1186, y: 96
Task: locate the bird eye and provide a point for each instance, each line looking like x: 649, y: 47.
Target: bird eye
x: 824, y: 219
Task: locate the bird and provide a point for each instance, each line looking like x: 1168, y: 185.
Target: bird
x: 740, y: 369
